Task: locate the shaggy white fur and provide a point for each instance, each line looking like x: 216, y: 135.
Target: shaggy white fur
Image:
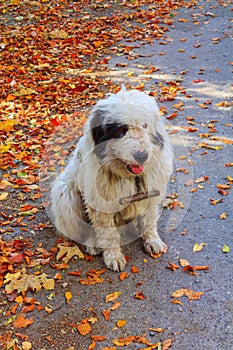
x: 124, y: 152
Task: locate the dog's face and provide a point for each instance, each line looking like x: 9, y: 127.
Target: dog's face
x: 126, y: 135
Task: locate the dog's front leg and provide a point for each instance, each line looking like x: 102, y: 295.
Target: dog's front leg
x: 108, y: 239
x: 151, y: 240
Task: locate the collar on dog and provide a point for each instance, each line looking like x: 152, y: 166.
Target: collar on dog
x: 139, y: 195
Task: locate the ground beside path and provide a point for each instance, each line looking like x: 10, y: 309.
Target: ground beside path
x: 183, y: 56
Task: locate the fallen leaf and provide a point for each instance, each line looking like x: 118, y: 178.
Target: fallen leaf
x: 26, y: 345
x: 3, y: 196
x: 172, y: 266
x: 106, y: 314
x: 139, y: 295
x: 112, y: 296
x: 158, y: 330
x: 198, y: 247
x: 98, y: 337
x: 68, y: 296
x: 223, y: 216
x: 183, y: 262
x: 121, y: 323
x: 67, y: 253
x: 84, y: 328
x: 226, y: 249
x: 167, y: 344
x: 188, y: 293
x: 124, y: 341
x: 21, y: 321
x: 123, y: 275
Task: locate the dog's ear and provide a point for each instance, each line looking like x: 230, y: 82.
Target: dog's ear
x: 96, y: 126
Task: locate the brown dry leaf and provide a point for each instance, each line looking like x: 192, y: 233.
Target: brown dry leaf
x: 21, y: 321
x: 124, y: 341
x: 67, y: 253
x: 224, y: 104
x: 183, y: 262
x: 200, y: 267
x: 176, y: 301
x: 167, y: 344
x: 172, y: 266
x: 139, y: 295
x: 188, y: 293
x: 26, y: 345
x: 158, y: 330
x: 112, y: 296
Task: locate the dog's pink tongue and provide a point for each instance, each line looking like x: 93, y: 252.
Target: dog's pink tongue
x: 137, y: 169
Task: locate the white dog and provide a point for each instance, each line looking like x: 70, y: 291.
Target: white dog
x: 108, y: 194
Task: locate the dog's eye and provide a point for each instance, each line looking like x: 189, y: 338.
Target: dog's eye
x: 116, y: 131
x: 144, y: 126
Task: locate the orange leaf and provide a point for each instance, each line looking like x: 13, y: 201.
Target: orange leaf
x: 121, y: 323
x: 115, y: 306
x: 22, y: 322
x: 106, y: 314
x: 139, y: 295
x: 134, y: 269
x: 98, y: 337
x: 123, y: 275
x: 84, y: 328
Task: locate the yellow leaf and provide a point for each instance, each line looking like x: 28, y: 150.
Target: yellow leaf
x: 19, y: 299
x: 25, y: 91
x: 129, y: 74
x: 67, y: 253
x: 68, y: 296
x: 198, y: 247
x: 3, y: 196
x: 121, y: 323
x: 15, y: 2
x: 223, y: 216
x: 112, y: 296
x: 7, y: 125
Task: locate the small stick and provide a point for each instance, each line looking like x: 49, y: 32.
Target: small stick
x: 138, y: 197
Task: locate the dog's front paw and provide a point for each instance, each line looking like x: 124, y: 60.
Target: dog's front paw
x: 92, y: 250
x: 154, y: 245
x: 114, y: 259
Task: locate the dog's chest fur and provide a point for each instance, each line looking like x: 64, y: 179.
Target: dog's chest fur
x: 112, y: 191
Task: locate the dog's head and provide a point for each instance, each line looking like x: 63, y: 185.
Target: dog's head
x: 127, y: 131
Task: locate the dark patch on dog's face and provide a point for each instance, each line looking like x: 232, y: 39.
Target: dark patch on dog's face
x: 158, y: 140
x: 102, y: 133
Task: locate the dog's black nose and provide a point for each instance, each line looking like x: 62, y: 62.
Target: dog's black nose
x: 140, y: 157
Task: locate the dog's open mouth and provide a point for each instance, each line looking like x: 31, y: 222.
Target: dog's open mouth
x: 133, y: 168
